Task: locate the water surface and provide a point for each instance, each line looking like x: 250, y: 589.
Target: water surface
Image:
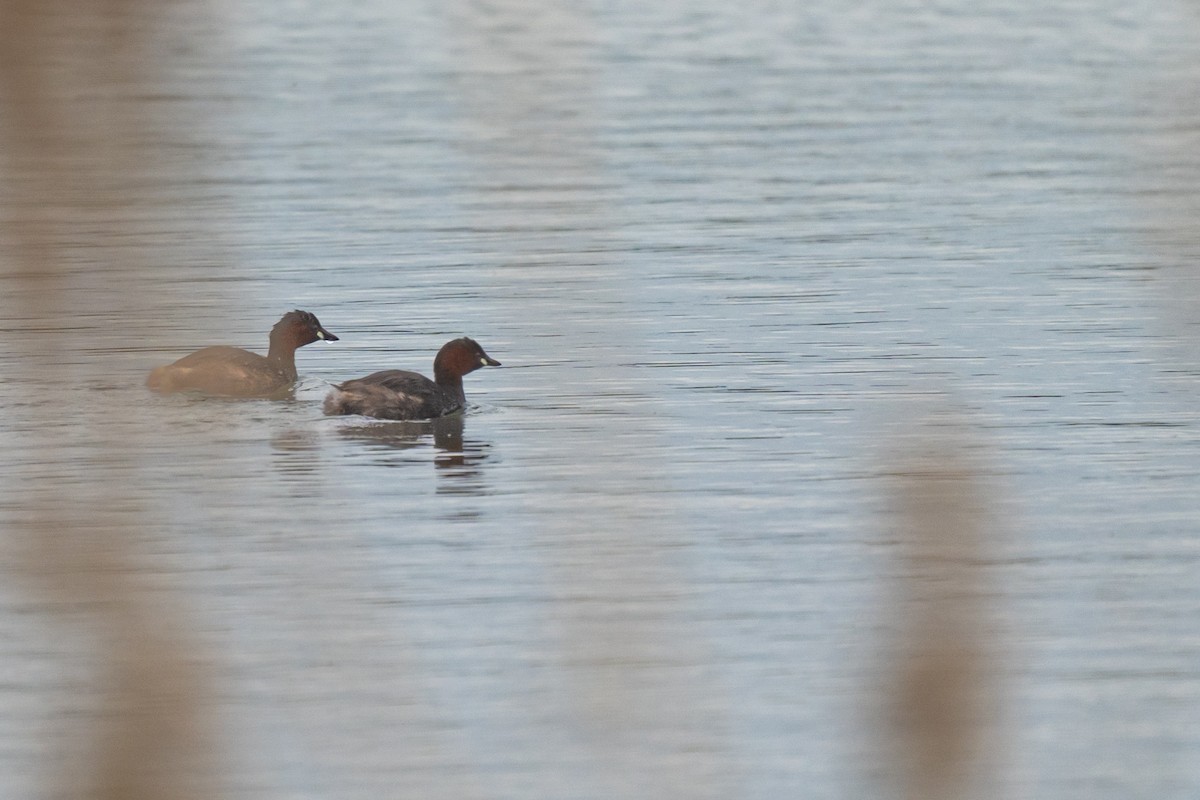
x: 730, y: 256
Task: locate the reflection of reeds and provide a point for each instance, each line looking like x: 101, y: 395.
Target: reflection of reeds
x: 940, y: 687
x: 68, y: 154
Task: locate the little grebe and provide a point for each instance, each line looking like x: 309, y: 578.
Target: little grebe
x: 397, y: 394
x: 233, y: 372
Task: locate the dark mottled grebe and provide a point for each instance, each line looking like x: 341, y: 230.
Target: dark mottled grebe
x: 233, y: 372
x: 397, y: 394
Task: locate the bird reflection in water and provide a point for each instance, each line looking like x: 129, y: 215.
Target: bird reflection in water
x: 456, y: 457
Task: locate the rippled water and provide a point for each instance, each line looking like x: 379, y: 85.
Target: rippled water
x: 729, y: 255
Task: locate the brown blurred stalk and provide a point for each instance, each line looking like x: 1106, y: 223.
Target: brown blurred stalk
x: 941, y: 691
x: 62, y: 162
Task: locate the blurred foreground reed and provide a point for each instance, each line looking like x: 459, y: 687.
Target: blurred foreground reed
x: 71, y: 155
x: 940, y: 733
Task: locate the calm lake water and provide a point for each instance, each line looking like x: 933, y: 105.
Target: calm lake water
x: 731, y: 256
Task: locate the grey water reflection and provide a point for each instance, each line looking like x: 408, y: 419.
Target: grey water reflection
x: 458, y: 459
